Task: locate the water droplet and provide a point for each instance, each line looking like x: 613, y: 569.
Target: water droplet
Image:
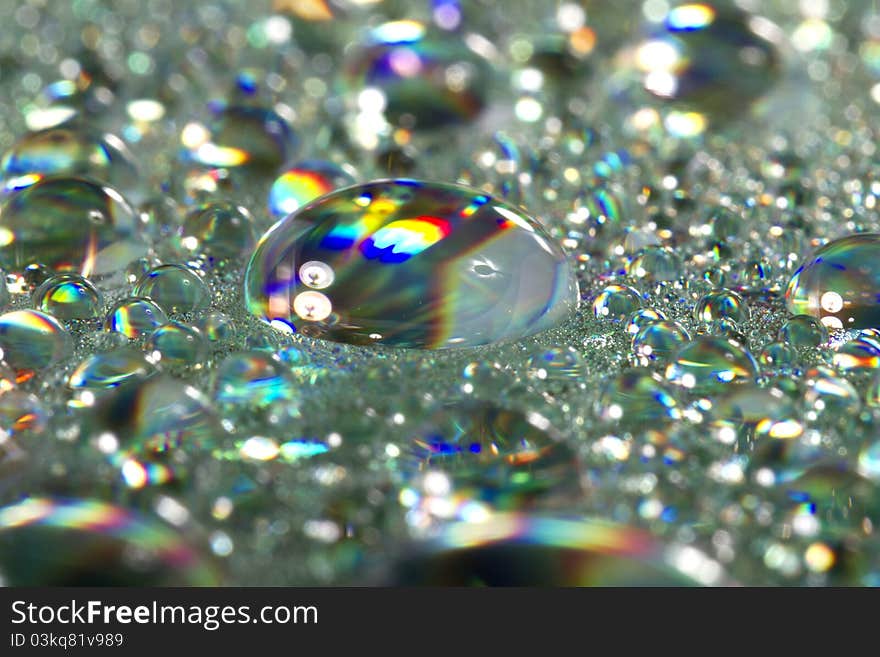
x: 155, y: 415
x: 252, y: 378
x: 616, y: 302
x: 69, y: 152
x: 176, y: 288
x: 558, y: 364
x: 424, y: 265
x: 30, y: 339
x: 861, y: 353
x: 768, y: 411
x: 803, y: 331
x: 305, y: 182
x: 68, y: 296
x: 68, y: 224
x: 477, y: 458
x: 110, y: 370
x: 777, y: 356
x: 708, y: 364
x: 637, y: 397
x: 655, y: 263
x: 839, y: 284
x: 218, y: 232
x: 641, y: 318
x: 523, y: 550
x: 831, y: 395
x: 20, y: 414
x: 134, y: 317
x: 175, y: 344
x: 869, y: 461
x: 215, y: 326
x: 54, y: 542
x: 240, y: 136
x: 659, y: 340
x: 413, y: 75
x: 722, y: 304
x: 705, y: 61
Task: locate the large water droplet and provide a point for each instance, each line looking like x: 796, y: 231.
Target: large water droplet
x: 410, y: 264
x: 840, y: 283
x: 30, y: 339
x: 68, y: 224
x: 522, y: 550
x: 705, y: 61
x: 54, y: 542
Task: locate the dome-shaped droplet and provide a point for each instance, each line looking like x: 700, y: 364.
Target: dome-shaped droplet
x: 840, y: 283
x: 721, y: 304
x: 69, y: 152
x: 641, y: 318
x: 655, y: 263
x: 30, y: 339
x: 57, y: 542
x: 660, y: 339
x: 252, y: 378
x: 777, y: 356
x: 218, y: 232
x: 68, y: 224
x: 861, y: 353
x: 155, y: 415
x: 175, y: 344
x: 831, y: 395
x: 768, y: 412
x: 475, y: 458
x: 706, y: 61
x: 637, y: 397
x: 68, y: 296
x: 616, y: 302
x: 240, y: 136
x: 803, y: 331
x: 558, y: 364
x: 305, y: 182
x: 408, y: 72
x: 522, y: 550
x: 110, y: 370
x: 707, y: 364
x: 176, y: 288
x: 134, y: 317
x: 410, y: 264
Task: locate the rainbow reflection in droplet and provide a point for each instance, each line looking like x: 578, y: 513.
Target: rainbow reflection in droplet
x: 61, y: 542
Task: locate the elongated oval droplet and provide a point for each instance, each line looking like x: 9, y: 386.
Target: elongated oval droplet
x: 406, y: 263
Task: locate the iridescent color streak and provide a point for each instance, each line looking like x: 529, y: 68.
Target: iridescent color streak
x: 100, y: 519
x: 32, y: 321
x: 398, y: 32
x: 402, y: 239
x: 471, y: 209
x: 686, y: 18
x: 295, y: 188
